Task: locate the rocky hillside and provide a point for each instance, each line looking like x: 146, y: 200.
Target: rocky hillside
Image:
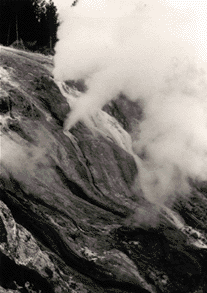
x: 69, y: 215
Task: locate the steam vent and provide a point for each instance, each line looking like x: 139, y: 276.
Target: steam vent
x: 103, y: 155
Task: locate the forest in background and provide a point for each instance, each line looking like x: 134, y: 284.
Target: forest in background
x: 29, y: 24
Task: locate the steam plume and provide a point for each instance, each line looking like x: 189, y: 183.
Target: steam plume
x: 150, y: 50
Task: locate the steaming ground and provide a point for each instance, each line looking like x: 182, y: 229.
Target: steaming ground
x: 151, y: 51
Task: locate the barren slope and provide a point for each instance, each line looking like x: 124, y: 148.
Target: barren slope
x: 68, y: 213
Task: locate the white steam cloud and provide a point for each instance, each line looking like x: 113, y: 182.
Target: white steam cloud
x: 150, y: 50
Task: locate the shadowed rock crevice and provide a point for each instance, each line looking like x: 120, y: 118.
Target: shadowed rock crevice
x: 3, y: 232
x: 13, y: 276
x: 152, y: 252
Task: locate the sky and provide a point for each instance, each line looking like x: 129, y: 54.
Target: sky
x: 197, y: 7
x: 62, y: 3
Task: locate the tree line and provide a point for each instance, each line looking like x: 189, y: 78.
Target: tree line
x: 29, y: 23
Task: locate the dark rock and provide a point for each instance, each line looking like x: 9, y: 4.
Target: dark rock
x: 126, y: 112
x: 3, y: 232
x: 4, y: 105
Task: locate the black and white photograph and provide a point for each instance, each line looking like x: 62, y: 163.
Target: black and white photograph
x: 103, y: 146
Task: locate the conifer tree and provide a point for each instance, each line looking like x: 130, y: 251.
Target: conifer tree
x: 30, y: 21
x: 52, y: 23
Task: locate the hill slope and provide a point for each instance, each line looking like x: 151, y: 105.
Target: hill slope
x: 69, y: 218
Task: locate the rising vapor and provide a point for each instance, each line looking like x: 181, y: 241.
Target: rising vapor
x: 152, y: 51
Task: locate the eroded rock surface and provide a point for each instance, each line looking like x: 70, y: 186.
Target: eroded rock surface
x: 69, y: 216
